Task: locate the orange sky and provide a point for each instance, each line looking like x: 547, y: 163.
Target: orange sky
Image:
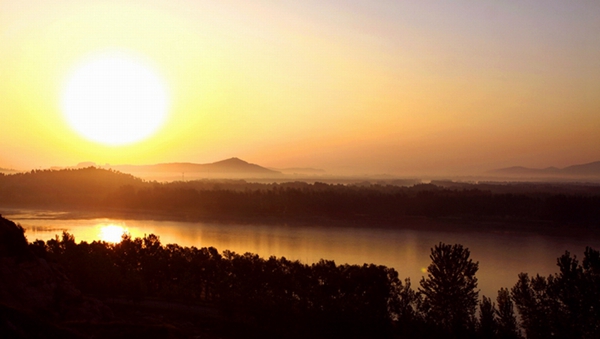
x: 361, y: 86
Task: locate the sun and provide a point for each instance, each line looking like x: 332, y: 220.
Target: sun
x: 111, y: 233
x: 115, y: 99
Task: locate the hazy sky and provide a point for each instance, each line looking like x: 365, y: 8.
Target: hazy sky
x: 369, y: 86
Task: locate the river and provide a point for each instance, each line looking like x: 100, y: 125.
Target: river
x: 501, y: 256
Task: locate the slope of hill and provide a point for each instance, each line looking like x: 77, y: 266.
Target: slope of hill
x: 592, y: 168
x: 85, y: 186
x: 232, y: 166
x: 583, y: 170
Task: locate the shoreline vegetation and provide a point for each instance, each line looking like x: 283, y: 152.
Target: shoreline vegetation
x: 75, y: 290
x: 61, y: 288
x: 565, y: 209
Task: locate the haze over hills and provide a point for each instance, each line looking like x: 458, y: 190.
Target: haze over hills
x: 300, y: 170
x: 233, y: 167
x: 591, y: 169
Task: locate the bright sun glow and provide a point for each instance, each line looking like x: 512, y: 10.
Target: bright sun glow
x: 111, y: 233
x: 115, y: 100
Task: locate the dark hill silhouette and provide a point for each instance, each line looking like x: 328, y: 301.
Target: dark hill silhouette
x: 233, y: 166
x: 589, y: 169
x: 592, y: 168
x: 239, y: 166
x: 90, y: 178
x: 76, y: 187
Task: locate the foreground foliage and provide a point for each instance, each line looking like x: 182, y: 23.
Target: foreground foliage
x: 286, y: 298
x: 565, y: 305
x: 449, y: 291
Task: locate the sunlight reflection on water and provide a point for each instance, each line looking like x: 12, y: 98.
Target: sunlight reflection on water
x: 501, y: 256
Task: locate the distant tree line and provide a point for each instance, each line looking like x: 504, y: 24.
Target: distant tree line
x: 287, y: 298
x: 367, y: 203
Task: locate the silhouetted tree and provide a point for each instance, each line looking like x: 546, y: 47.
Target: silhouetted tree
x: 487, y: 325
x: 566, y: 305
x: 449, y: 295
x: 12, y: 239
x: 507, y: 321
x: 404, y: 310
x: 535, y: 303
x: 577, y: 287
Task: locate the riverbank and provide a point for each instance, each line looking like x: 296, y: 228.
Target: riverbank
x: 470, y: 224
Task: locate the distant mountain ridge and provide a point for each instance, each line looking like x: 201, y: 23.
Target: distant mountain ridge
x: 589, y: 169
x: 228, y: 166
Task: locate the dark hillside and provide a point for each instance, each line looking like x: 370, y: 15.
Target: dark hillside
x: 232, y: 166
x: 74, y: 187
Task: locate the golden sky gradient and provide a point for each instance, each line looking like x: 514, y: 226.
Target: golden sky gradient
x: 365, y: 86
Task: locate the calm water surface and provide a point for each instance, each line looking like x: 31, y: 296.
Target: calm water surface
x: 501, y: 256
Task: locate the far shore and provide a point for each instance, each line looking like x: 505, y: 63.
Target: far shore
x: 474, y: 224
